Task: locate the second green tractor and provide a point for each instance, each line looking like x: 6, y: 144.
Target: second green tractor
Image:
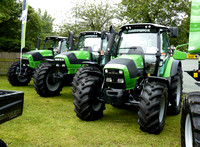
x: 50, y: 77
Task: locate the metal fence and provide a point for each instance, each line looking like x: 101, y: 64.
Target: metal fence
x: 6, y: 59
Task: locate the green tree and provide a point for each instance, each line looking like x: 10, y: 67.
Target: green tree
x: 170, y: 13
x: 47, y: 23
x: 94, y: 16
x: 10, y: 26
x: 6, y: 11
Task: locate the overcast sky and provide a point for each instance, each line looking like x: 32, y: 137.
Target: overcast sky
x: 59, y: 9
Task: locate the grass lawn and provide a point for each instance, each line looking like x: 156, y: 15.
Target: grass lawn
x: 52, y: 122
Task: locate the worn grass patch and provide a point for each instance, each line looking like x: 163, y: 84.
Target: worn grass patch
x: 52, y: 122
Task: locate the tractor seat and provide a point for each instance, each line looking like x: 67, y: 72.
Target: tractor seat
x: 136, y: 50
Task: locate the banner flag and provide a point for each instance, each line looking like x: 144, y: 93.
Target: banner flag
x: 24, y: 19
x: 194, y: 44
x: 23, y: 33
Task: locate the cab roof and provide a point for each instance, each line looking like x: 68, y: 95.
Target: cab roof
x: 56, y: 37
x: 143, y: 26
x: 90, y: 33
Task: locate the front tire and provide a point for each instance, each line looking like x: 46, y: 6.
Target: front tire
x: 190, y: 118
x: 87, y: 102
x: 153, y: 107
x: 2, y: 143
x: 43, y: 80
x: 175, y: 93
x: 19, y: 80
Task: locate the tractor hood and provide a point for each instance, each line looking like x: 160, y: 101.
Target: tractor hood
x: 38, y: 55
x: 71, y: 61
x: 34, y: 58
x: 75, y: 57
x: 124, y: 71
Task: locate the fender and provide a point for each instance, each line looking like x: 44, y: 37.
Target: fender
x: 160, y: 79
x: 171, y: 68
x: 93, y: 64
x: 174, y: 67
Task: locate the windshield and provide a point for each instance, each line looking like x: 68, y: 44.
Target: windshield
x: 63, y: 45
x: 143, y: 41
x: 91, y: 43
x: 51, y: 44
x: 56, y: 45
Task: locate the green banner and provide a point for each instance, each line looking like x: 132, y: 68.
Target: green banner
x: 194, y: 38
x: 24, y: 19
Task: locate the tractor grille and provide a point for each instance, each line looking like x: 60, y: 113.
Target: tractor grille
x: 25, y: 62
x: 60, y: 64
x: 115, y: 78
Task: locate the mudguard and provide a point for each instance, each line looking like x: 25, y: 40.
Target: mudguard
x: 160, y: 79
x: 171, y: 68
x: 174, y: 67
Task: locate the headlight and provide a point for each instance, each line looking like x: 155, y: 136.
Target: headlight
x: 120, y: 80
x: 57, y: 65
x: 108, y: 79
x: 121, y: 72
x: 106, y: 71
x: 63, y: 65
x: 59, y: 59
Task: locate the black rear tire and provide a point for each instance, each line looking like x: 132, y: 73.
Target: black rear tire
x: 44, y: 82
x: 190, y: 120
x: 16, y: 80
x: 153, y: 107
x: 175, y: 93
x: 86, y: 93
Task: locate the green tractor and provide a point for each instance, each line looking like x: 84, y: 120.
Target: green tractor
x: 21, y: 72
x: 51, y: 76
x: 145, y: 74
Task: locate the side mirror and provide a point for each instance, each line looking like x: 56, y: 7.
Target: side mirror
x: 38, y: 43
x: 111, y: 39
x: 173, y: 32
x: 70, y: 38
x: 110, y: 44
x: 103, y: 34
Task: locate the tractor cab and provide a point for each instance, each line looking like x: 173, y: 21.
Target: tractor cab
x: 94, y: 42
x: 149, y: 40
x: 55, y: 43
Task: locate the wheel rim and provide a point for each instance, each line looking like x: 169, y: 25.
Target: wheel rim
x: 21, y: 79
x: 188, y: 132
x: 96, y: 104
x: 178, y: 92
x: 96, y: 107
x: 162, y: 108
x: 52, y: 86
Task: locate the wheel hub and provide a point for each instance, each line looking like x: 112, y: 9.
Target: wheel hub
x: 162, y: 108
x: 178, y: 92
x: 188, y: 132
x: 53, y: 86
